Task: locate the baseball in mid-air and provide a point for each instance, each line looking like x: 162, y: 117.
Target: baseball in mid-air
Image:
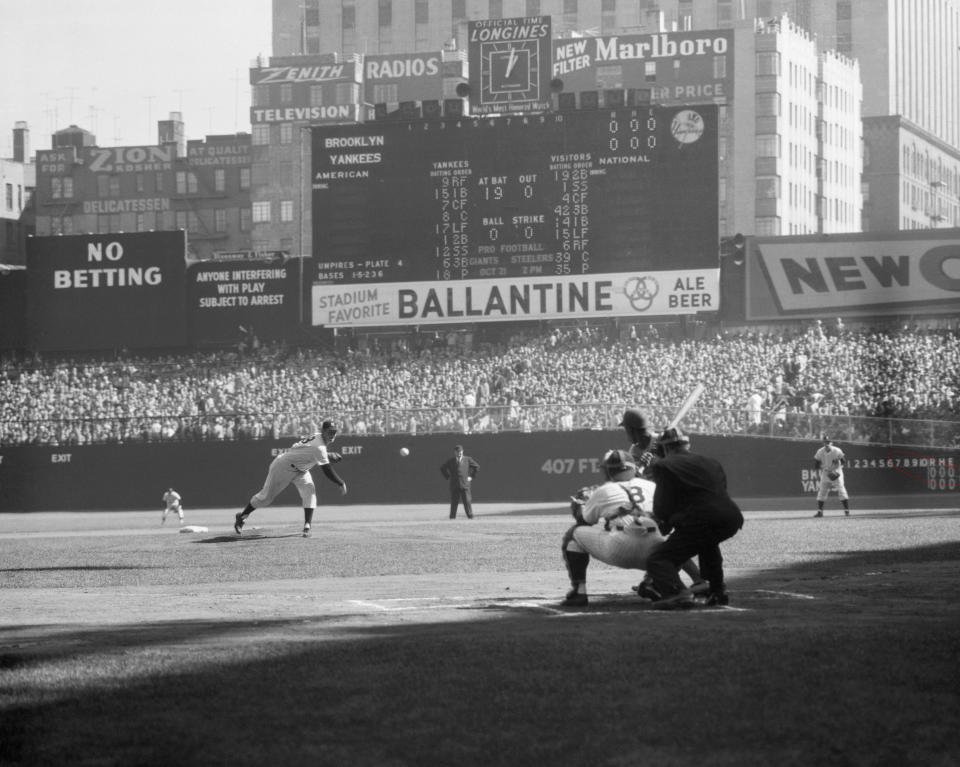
x: 404, y: 451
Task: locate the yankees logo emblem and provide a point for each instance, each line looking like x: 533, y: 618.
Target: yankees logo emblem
x: 641, y: 291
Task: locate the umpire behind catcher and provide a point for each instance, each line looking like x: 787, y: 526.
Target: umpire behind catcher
x: 690, y: 503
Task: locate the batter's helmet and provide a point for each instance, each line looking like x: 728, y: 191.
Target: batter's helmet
x: 634, y: 419
x: 673, y: 437
x: 618, y: 465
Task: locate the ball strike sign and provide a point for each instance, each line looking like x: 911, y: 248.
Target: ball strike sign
x: 103, y: 291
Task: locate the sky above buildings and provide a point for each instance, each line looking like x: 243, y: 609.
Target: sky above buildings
x: 116, y: 67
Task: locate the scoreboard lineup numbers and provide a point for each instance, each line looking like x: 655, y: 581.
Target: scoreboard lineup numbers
x: 550, y: 195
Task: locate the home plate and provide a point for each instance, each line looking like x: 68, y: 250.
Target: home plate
x: 193, y: 529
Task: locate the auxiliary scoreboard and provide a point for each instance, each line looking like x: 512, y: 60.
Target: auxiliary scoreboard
x: 565, y: 193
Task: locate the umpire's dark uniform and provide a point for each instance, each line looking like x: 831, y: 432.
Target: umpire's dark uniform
x: 692, y: 505
x: 460, y: 471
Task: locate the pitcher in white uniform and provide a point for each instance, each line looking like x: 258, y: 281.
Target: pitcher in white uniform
x: 293, y: 467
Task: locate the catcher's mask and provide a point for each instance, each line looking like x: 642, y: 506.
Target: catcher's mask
x: 618, y: 465
x: 329, y: 429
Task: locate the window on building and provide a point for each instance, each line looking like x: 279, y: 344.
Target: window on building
x: 608, y: 15
x: 181, y: 219
x: 768, y: 145
x: 261, y: 212
x: 114, y: 186
x: 245, y: 217
x: 348, y: 25
x: 286, y: 93
x: 768, y: 63
x: 141, y: 223
x: 140, y: 183
x: 181, y: 182
x: 768, y: 187
x: 724, y: 13
x: 495, y: 9
x: 103, y: 185
x: 286, y: 133
x: 158, y: 182
x: 220, y: 220
x: 650, y: 71
x: 220, y: 180
x: 347, y: 93
x: 316, y: 95
x: 67, y: 224
x: 56, y: 187
x: 244, y: 178
x: 685, y: 15
x: 384, y: 13
x: 8, y: 195
x: 260, y: 134
x: 386, y: 93
x: 768, y: 104
x: 286, y: 210
x: 532, y: 8
x: 68, y: 187
x: 260, y: 96
x: 115, y: 223
x: 767, y: 226
x: 421, y: 12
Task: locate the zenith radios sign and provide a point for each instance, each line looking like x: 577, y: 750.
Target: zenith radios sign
x: 510, y: 65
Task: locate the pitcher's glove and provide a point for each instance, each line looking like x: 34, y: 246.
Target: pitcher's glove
x: 833, y: 475
x: 334, y: 457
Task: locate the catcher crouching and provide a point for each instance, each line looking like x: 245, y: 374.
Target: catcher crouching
x: 614, y: 523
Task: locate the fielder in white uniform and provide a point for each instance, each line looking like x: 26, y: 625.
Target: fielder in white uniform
x: 171, y: 502
x: 830, y: 461
x: 614, y: 525
x: 293, y: 467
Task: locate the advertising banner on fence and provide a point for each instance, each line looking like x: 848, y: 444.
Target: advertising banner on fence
x: 903, y: 272
x: 261, y: 297
x: 633, y: 295
x: 103, y: 291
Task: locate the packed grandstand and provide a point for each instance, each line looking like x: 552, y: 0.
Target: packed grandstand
x: 895, y: 385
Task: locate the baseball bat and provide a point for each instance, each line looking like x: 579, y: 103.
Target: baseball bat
x: 688, y: 403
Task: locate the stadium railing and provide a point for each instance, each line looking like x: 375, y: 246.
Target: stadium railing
x: 472, y: 420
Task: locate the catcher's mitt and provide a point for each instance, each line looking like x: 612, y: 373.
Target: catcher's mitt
x: 833, y: 474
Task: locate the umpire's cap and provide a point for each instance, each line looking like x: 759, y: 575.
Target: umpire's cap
x: 634, y: 419
x: 673, y: 437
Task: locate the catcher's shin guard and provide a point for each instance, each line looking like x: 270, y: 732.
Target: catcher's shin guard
x: 576, y: 562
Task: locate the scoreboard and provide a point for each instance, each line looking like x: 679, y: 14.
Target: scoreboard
x: 565, y: 193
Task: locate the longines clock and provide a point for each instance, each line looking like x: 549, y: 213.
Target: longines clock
x: 510, y: 72
x: 510, y: 65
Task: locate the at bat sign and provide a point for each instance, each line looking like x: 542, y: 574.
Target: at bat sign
x: 688, y: 403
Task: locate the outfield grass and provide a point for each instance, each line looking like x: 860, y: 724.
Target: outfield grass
x: 401, y: 638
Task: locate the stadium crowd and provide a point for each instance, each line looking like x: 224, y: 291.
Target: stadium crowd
x: 794, y: 382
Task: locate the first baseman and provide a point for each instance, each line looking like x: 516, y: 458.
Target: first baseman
x: 293, y: 467
x: 171, y: 502
x: 830, y: 460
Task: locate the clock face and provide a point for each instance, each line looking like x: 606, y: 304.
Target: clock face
x: 510, y: 72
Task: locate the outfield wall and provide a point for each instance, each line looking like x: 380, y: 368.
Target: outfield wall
x: 545, y: 466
